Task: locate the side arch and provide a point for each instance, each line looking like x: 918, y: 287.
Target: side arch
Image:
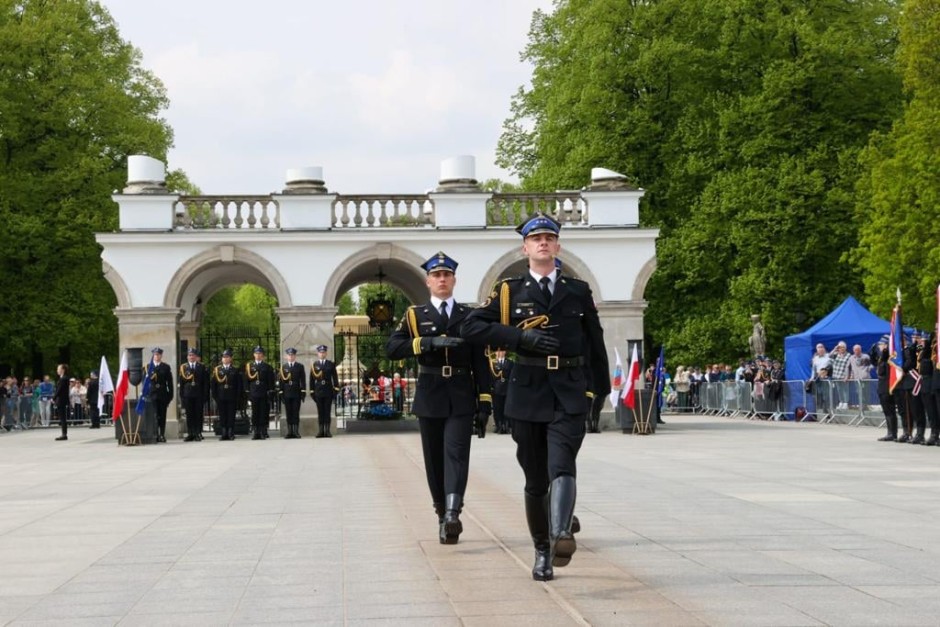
x: 117, y: 285
x: 227, y: 255
x: 362, y: 266
x: 642, y: 278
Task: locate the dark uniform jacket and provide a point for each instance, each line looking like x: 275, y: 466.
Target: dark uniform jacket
x: 926, y: 368
x: 572, y: 318
x: 194, y: 380
x: 324, y: 382
x: 161, y: 382
x: 226, y: 383
x: 91, y: 392
x: 292, y: 380
x: 909, y: 363
x: 501, y: 375
x: 436, y: 395
x: 879, y: 357
x: 259, y: 379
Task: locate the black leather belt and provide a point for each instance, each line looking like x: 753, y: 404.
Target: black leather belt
x: 551, y: 362
x: 444, y: 371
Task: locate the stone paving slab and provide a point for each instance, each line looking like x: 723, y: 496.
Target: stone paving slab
x: 711, y: 521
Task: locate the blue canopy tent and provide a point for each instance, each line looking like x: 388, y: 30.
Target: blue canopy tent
x: 850, y: 322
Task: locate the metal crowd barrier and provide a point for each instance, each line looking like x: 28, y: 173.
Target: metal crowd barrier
x: 852, y: 403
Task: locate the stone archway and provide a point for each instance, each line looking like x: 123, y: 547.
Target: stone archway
x: 400, y: 267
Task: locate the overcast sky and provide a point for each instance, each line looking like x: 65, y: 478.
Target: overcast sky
x: 376, y: 92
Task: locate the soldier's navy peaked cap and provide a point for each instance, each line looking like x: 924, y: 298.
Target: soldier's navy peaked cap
x: 884, y: 339
x: 321, y: 348
x: 157, y: 351
x: 193, y: 351
x: 439, y: 261
x: 227, y: 352
x: 258, y: 349
x: 539, y: 223
x: 291, y: 351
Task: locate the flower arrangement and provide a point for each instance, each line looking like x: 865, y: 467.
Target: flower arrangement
x: 380, y: 411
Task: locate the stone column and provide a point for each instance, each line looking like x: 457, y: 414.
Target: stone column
x: 189, y: 331
x: 149, y: 327
x: 304, y: 328
x: 458, y: 201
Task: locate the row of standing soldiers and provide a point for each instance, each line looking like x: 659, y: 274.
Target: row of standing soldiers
x: 258, y: 380
x: 915, y: 400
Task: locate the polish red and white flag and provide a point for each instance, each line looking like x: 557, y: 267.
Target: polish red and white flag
x: 120, y: 392
x: 627, y: 396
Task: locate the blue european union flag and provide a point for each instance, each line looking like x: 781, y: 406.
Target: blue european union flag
x: 145, y: 391
x: 660, y: 376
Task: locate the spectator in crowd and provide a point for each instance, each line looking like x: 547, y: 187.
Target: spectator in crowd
x: 37, y: 395
x: 4, y: 394
x: 727, y: 374
x: 91, y: 399
x: 12, y: 403
x: 683, y: 388
x: 26, y: 403
x: 77, y: 400
x: 822, y: 391
x: 714, y: 374
x: 859, y: 365
x: 46, y: 393
x: 839, y: 368
x: 398, y: 391
x: 820, y: 360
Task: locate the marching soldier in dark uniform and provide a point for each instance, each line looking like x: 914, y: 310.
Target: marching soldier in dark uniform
x: 502, y: 371
x: 909, y: 405
x: 453, y: 386
x: 928, y: 359
x: 194, y: 390
x: 561, y: 364
x: 292, y: 381
x: 324, y: 385
x: 259, y: 380
x: 161, y: 389
x: 880, y: 357
x: 226, y: 387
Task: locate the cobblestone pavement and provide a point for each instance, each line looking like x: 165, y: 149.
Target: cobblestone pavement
x: 711, y: 521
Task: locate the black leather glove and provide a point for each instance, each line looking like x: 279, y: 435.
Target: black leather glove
x: 440, y: 342
x: 539, y: 342
x: 480, y: 424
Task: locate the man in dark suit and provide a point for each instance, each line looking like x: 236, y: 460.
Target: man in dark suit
x: 502, y: 372
x: 453, y: 386
x: 292, y: 381
x: 91, y: 399
x: 552, y: 323
x: 161, y: 389
x: 259, y: 381
x: 226, y: 385
x: 194, y: 390
x: 324, y: 385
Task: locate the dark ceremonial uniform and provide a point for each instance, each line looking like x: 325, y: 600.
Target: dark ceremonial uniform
x: 502, y: 372
x: 194, y: 391
x: 453, y: 386
x: 880, y: 357
x: 926, y: 368
x: 226, y: 384
x: 61, y: 399
x: 91, y: 397
x: 292, y: 381
x: 324, y: 385
x: 259, y: 381
x: 935, y: 391
x: 161, y: 393
x: 910, y: 408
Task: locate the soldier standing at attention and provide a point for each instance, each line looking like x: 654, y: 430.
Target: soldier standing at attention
x: 194, y: 390
x: 502, y: 372
x: 293, y: 384
x: 453, y: 387
x: 259, y: 379
x: 324, y: 384
x: 61, y: 398
x: 227, y: 391
x: 161, y: 389
x: 552, y: 323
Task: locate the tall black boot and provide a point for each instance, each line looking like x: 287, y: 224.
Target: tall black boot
x: 320, y: 433
x: 536, y: 514
x: 562, y: 496
x: 452, y: 527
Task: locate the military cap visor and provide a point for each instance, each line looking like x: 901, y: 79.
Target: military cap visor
x: 227, y: 352
x: 438, y: 262
x: 157, y: 351
x: 321, y: 348
x: 539, y: 223
x: 291, y: 351
x: 258, y: 349
x: 192, y: 351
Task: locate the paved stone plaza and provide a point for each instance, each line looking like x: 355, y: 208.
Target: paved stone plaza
x: 711, y: 521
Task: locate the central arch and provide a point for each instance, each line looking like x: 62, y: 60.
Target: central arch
x: 399, y: 266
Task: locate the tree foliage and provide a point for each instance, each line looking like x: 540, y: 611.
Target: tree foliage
x: 74, y: 102
x: 899, y: 192
x: 743, y: 120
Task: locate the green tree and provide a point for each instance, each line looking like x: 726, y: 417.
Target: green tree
x: 743, y: 120
x: 899, y: 192
x: 246, y: 305
x: 74, y: 102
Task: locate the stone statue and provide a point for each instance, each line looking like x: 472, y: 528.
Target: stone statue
x: 757, y: 341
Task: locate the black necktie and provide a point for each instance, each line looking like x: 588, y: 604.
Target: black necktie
x: 444, y: 313
x: 546, y: 292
